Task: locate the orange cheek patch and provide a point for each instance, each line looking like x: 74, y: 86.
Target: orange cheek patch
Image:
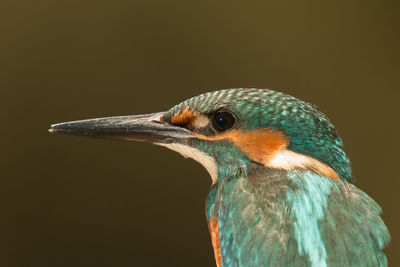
x: 183, y: 117
x: 259, y: 145
x: 269, y: 148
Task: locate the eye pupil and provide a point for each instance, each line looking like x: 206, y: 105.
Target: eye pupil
x: 223, y: 121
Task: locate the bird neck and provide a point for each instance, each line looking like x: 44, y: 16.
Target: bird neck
x: 273, y: 182
x: 274, y: 199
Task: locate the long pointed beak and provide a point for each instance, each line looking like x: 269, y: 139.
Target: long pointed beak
x: 142, y: 128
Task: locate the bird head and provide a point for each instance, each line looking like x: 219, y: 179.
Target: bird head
x: 231, y: 131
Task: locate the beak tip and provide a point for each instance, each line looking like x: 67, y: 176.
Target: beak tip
x: 53, y: 128
x: 60, y: 127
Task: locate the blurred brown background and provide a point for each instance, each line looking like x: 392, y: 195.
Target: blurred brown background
x: 69, y: 201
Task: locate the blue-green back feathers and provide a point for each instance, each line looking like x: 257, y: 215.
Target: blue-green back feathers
x: 296, y: 218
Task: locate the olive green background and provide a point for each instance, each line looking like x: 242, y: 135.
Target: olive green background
x: 69, y: 201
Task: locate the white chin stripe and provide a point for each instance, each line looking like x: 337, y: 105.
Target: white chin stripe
x: 199, y: 156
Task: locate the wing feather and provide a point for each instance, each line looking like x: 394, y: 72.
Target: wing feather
x: 298, y: 218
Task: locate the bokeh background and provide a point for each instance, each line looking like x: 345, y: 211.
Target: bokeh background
x: 69, y: 201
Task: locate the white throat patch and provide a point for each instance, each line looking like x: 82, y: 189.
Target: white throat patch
x: 288, y: 160
x: 199, y: 156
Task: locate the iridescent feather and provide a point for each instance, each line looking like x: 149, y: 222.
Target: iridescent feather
x: 296, y: 218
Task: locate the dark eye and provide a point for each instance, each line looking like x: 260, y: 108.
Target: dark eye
x: 222, y: 121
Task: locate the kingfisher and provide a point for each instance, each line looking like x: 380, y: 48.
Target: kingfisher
x: 282, y: 190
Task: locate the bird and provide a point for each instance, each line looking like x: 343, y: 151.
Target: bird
x: 282, y: 190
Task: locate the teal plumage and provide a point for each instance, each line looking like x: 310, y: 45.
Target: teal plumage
x: 282, y: 192
x: 296, y: 218
x: 270, y: 217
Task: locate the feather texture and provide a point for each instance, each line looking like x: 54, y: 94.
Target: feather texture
x: 296, y: 218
